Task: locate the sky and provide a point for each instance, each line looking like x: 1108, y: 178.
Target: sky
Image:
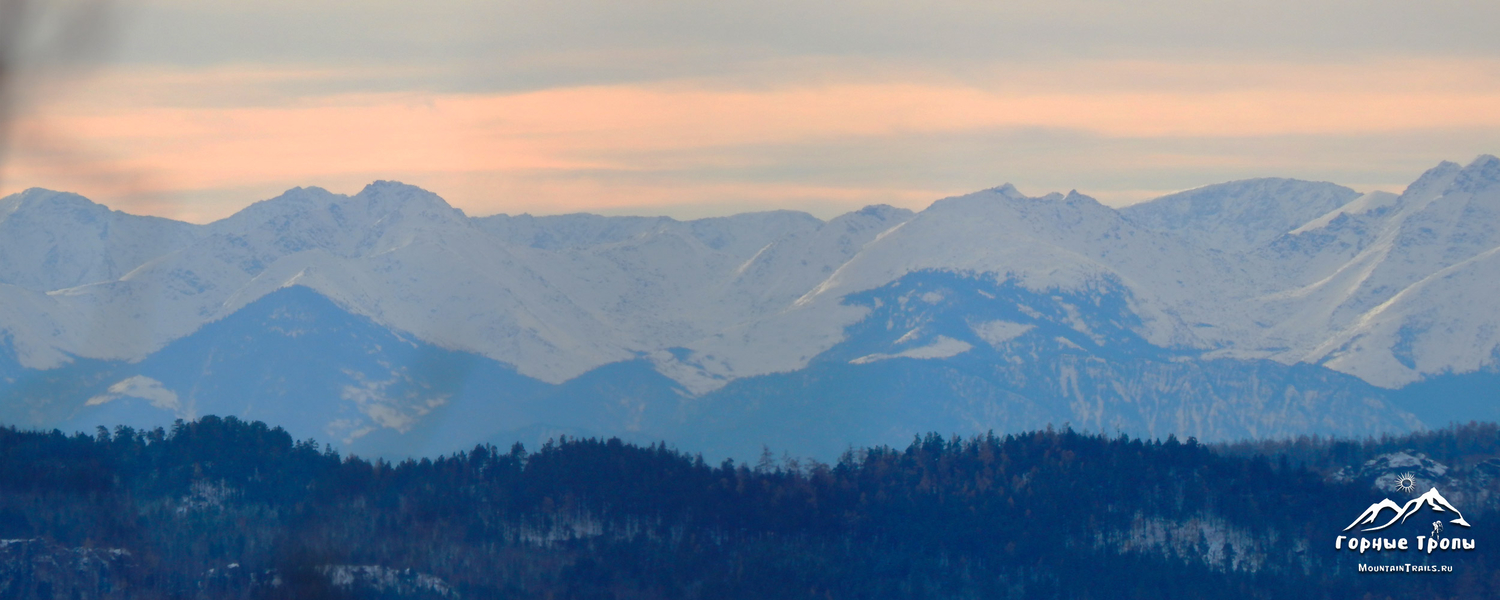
x: 193, y: 109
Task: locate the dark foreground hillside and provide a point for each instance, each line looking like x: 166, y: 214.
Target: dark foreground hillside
x: 221, y: 508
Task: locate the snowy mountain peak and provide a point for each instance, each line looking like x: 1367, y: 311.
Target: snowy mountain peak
x: 382, y: 215
x: 882, y: 211
x: 1073, y: 197
x: 41, y: 201
x: 1009, y: 191
x: 53, y: 240
x: 382, y: 197
x: 295, y: 201
x: 998, y: 225
x: 390, y: 186
x: 1240, y: 215
x: 376, y: 201
x: 1486, y: 160
x: 1481, y: 174
x: 1007, y: 198
x: 1433, y: 180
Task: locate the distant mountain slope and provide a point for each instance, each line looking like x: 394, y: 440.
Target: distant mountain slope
x: 296, y: 358
x: 1239, y: 215
x: 1397, y: 292
x: 292, y: 357
x: 53, y: 240
x: 940, y: 352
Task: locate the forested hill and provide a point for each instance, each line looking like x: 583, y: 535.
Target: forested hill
x: 221, y: 508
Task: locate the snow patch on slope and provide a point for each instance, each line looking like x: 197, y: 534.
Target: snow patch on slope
x: 145, y: 388
x: 1369, y: 202
x: 996, y: 333
x: 941, y: 347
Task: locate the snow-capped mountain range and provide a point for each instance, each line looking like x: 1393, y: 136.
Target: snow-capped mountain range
x: 1244, y: 309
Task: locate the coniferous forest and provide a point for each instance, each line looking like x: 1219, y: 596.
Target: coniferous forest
x: 221, y: 508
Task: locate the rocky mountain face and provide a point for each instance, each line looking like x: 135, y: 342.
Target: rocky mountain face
x: 390, y: 322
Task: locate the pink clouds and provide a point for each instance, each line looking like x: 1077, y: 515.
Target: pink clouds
x: 540, y: 150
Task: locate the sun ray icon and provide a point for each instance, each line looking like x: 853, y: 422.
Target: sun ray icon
x: 1406, y: 482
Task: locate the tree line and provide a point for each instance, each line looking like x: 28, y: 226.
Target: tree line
x: 222, y: 508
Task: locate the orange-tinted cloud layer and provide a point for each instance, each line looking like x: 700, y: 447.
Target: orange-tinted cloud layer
x: 663, y: 143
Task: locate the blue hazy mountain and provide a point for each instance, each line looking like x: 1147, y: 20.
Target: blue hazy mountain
x: 1019, y: 360
x: 293, y: 358
x: 960, y: 354
x: 297, y: 359
x: 1452, y: 398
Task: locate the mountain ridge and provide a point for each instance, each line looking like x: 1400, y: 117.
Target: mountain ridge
x: 1390, y: 289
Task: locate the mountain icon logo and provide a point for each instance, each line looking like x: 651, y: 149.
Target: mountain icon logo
x: 1432, y: 500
